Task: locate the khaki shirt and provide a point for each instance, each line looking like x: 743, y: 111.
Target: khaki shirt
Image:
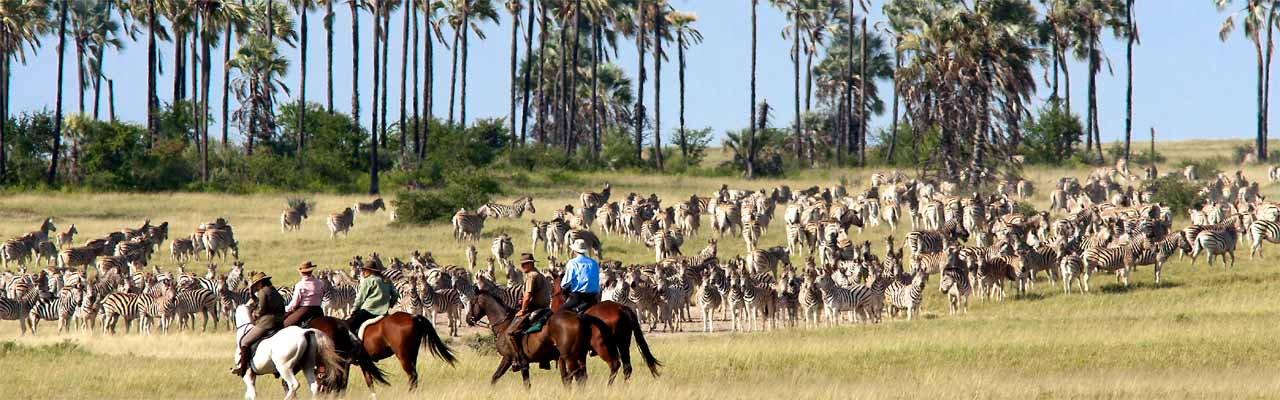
x: 537, y: 288
x: 270, y: 308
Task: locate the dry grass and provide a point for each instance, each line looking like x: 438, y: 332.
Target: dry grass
x: 1204, y: 333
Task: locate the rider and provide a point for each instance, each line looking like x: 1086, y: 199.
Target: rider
x: 267, y: 314
x: 581, y: 280
x: 375, y: 296
x: 308, y: 294
x: 537, y: 296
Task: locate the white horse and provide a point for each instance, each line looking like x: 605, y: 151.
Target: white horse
x: 290, y: 350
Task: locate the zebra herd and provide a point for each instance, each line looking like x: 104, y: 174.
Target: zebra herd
x: 339, y: 222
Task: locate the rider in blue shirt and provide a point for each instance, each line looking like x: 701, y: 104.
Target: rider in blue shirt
x: 581, y: 282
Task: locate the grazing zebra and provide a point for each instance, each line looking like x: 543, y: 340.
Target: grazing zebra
x: 65, y: 238
x: 182, y: 250
x: 341, y: 222
x: 1108, y: 259
x: 46, y: 251
x: 515, y: 210
x: 134, y: 250
x: 1156, y: 253
x: 907, y: 295
x: 709, y: 300
x: 291, y: 218
x: 1217, y: 243
x: 217, y: 241
x: 15, y: 250
x: 933, y: 241
x: 16, y: 310
x: 193, y: 300
x: 467, y: 226
x: 594, y: 199
x: 1260, y: 230
x: 593, y: 241
x: 955, y: 284
x: 763, y: 260
x: 121, y: 306
x: 370, y: 207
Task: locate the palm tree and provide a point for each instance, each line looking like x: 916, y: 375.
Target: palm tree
x: 751, y: 131
x: 328, y: 59
x: 179, y: 14
x: 1253, y: 15
x: 302, y: 6
x: 1131, y: 32
x: 93, y: 30
x: 792, y: 8
x: 21, y: 22
x: 528, y: 48
x: 659, y: 35
x: 404, y: 73
x: 639, y: 32
x: 513, y: 7
x: 52, y: 176
x: 686, y: 35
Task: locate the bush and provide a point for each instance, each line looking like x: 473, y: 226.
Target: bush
x: 1174, y: 192
x: 467, y: 191
x: 1136, y: 156
x: 1050, y: 139
x: 1205, y: 167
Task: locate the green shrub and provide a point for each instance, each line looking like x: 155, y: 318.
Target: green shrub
x: 467, y: 191
x: 1174, y: 192
x: 1051, y: 138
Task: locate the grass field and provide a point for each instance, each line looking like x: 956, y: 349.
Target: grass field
x: 1203, y: 333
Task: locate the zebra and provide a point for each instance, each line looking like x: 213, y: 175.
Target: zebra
x: 1221, y: 243
x: 1109, y: 259
x: 341, y: 222
x: 15, y: 250
x: 858, y: 300
x: 751, y: 234
x: 1072, y: 269
x: 118, y: 306
x: 933, y: 241
x: 593, y: 241
x: 370, y: 207
x: 217, y: 241
x: 46, y: 251
x: 515, y: 210
x: 182, y: 250
x: 193, y: 300
x: 907, y: 295
x: 594, y: 199
x: 291, y: 218
x: 762, y: 260
x: 810, y: 298
x: 644, y: 294
x: 1157, y: 253
x: 66, y: 238
x: 553, y: 233
x: 709, y: 300
x: 467, y: 226
x: 671, y: 301
x: 56, y: 308
x: 734, y: 297
x: 1260, y: 230
x: 954, y: 282
x: 502, y: 248
x: 447, y: 301
x: 134, y: 250
x: 340, y: 296
x: 16, y: 310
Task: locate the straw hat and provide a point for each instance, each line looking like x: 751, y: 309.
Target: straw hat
x: 579, y: 246
x: 258, y: 277
x: 306, y: 267
x: 526, y: 258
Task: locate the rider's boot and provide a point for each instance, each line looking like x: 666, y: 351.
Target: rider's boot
x: 242, y: 365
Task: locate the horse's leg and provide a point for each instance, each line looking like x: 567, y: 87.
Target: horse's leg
x: 503, y: 366
x: 565, y: 378
x: 409, y: 363
x: 310, y: 373
x: 249, y: 393
x: 290, y: 383
x: 524, y: 374
x: 623, y: 337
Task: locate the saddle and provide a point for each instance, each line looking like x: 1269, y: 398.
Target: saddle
x: 366, y: 324
x: 537, y: 320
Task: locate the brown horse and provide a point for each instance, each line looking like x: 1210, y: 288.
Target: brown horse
x: 620, y: 319
x: 565, y: 338
x: 399, y: 334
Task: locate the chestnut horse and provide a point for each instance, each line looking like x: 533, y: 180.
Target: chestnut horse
x: 565, y: 338
x: 620, y: 319
x: 399, y: 334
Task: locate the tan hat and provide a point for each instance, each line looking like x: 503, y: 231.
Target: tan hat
x: 306, y: 267
x: 258, y: 277
x: 372, y: 266
x: 579, y: 246
x: 526, y: 258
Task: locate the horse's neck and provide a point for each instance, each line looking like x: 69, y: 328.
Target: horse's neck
x: 498, y: 315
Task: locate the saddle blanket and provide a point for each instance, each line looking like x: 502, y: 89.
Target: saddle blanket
x: 366, y: 324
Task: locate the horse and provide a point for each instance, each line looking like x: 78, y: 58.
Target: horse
x: 289, y: 351
x: 622, y: 321
x: 565, y: 338
x: 399, y: 334
x: 351, y: 349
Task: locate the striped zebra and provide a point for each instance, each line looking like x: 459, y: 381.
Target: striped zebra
x: 593, y: 242
x: 15, y: 250
x: 370, y: 207
x: 182, y: 250
x: 933, y: 241
x: 751, y: 234
x: 12, y: 309
x: 55, y: 308
x: 134, y: 250
x: 954, y: 283
x: 121, y: 306
x: 671, y: 299
x: 46, y: 251
x: 341, y: 222
x: 1216, y: 243
x: 340, y: 296
x: 644, y: 294
x: 733, y: 296
x: 515, y: 210
x: 1157, y: 253
x: 595, y: 199
x: 66, y: 238
x: 762, y: 260
x: 1108, y: 259
x: 218, y: 242
x: 291, y: 218
x: 859, y: 301
x: 709, y: 300
x: 553, y: 234
x: 1072, y: 269
x: 196, y: 300
x: 810, y: 298
x: 447, y: 301
x: 906, y: 295
x: 1259, y: 231
x: 466, y: 225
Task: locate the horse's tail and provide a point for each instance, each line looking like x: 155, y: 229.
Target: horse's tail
x: 433, y: 343
x: 649, y: 360
x: 610, y: 342
x: 326, y: 355
x: 358, y: 357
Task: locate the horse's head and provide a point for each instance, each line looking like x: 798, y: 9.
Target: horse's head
x: 479, y: 306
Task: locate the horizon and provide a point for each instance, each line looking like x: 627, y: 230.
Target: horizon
x: 1221, y: 75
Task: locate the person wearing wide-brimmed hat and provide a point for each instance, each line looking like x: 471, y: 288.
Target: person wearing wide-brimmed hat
x: 308, y: 294
x: 267, y: 314
x: 537, y: 297
x: 374, y: 297
x: 581, y: 282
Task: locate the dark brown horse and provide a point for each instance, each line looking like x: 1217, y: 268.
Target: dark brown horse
x: 399, y: 334
x: 623, y: 321
x: 565, y: 338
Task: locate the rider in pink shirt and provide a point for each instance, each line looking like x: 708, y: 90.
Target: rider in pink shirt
x: 308, y: 294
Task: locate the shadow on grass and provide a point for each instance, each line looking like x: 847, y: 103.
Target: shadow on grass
x: 1113, y: 288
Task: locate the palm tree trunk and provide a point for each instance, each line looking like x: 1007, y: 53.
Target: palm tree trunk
x: 417, y: 116
x: 684, y: 139
x: 205, y: 70
x: 428, y: 97
x: 540, y: 130
x: 386, y: 62
x: 355, y: 75
x: 153, y: 102
x: 453, y: 74
x: 515, y: 48
x: 1093, y: 96
x: 657, y: 85
x: 1264, y: 151
x: 862, y: 97
x: 462, y: 91
x: 573, y: 82
x: 751, y: 130
x: 97, y: 78
x: 195, y: 80
x: 528, y: 74
x: 328, y: 33
x: 377, y: 69
x: 808, y: 97
x: 893, y: 127
x: 848, y: 92
x: 795, y: 65
x: 111, y: 100
x: 561, y: 89
x: 4, y: 114
x: 226, y: 83
x: 640, y: 88
x: 1128, y: 92
x: 302, y: 78
x: 179, y: 66
x: 404, y: 75
x: 52, y: 175
x: 1261, y: 141
x: 80, y: 72
x: 597, y: 50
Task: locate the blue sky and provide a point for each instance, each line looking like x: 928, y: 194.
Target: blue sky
x: 1188, y: 84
